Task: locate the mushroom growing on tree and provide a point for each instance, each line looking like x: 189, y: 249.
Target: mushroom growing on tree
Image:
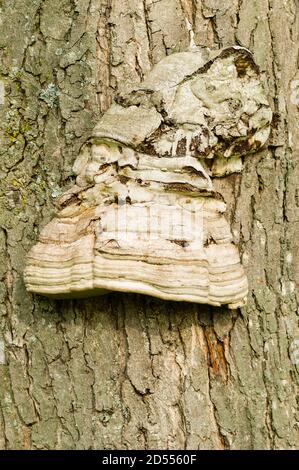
x: 143, y: 215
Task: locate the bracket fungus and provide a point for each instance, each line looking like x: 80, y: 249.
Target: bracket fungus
x: 143, y: 215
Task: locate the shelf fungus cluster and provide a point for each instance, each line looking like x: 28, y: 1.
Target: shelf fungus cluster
x: 143, y: 215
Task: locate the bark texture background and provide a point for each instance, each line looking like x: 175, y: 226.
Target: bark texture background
x: 127, y: 371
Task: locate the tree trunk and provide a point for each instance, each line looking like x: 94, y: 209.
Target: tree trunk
x: 127, y: 371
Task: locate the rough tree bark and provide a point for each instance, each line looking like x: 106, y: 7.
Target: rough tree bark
x: 126, y: 371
